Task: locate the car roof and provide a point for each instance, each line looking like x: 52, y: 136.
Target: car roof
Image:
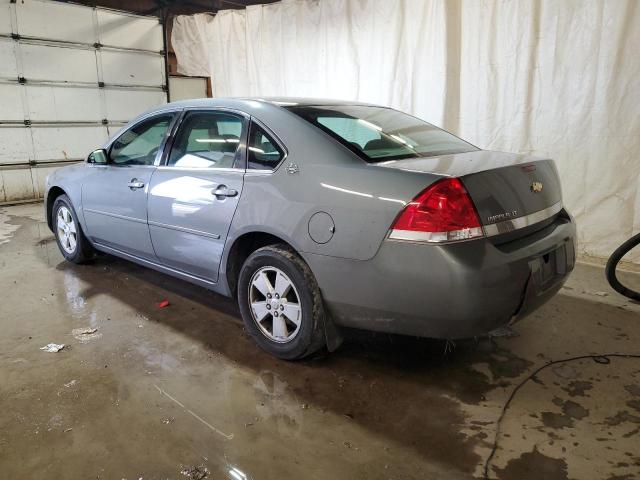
x: 305, y: 101
x: 248, y: 104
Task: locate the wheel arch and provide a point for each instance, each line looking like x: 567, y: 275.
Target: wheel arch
x: 243, y: 246
x: 53, y: 193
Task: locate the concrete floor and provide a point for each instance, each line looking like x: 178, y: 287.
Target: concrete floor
x: 181, y: 391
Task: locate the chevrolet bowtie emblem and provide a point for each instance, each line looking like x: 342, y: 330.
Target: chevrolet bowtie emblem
x: 536, y: 187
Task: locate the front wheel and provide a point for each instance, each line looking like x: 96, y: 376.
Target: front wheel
x: 281, y: 303
x: 72, y: 243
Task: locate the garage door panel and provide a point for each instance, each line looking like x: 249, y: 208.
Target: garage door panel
x: 61, y: 96
x: 8, y: 67
x: 11, y: 102
x: 15, y: 145
x: 124, y: 105
x: 114, y: 129
x: 119, y: 30
x: 16, y: 184
x: 131, y: 68
x: 57, y: 103
x: 59, y: 64
x: 35, y: 20
x: 5, y: 18
x: 65, y: 143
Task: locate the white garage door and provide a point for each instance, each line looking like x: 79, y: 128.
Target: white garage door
x: 70, y: 76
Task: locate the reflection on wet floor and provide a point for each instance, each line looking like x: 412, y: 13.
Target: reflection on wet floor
x: 182, y: 392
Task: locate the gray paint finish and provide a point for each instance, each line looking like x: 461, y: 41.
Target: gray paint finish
x: 367, y: 280
x: 451, y: 291
x: 116, y: 215
x: 188, y: 224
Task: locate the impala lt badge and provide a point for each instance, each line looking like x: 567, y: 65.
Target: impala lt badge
x: 536, y: 187
x: 499, y: 217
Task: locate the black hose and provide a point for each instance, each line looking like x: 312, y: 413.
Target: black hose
x: 612, y: 264
x: 603, y: 358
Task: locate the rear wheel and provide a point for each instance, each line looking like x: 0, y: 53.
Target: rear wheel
x: 281, y: 303
x: 72, y: 243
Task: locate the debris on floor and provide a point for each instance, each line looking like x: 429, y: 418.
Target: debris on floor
x: 194, y: 415
x: 71, y: 383
x: 195, y: 473
x: 163, y: 304
x: 85, y: 334
x: 53, y: 347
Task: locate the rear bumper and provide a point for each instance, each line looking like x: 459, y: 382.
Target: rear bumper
x: 447, y: 291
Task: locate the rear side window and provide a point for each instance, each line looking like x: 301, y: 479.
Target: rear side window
x: 263, y: 152
x: 207, y: 140
x: 379, y: 134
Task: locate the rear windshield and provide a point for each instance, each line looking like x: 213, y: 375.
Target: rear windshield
x: 379, y: 134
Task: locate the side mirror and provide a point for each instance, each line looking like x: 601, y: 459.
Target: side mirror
x: 99, y: 157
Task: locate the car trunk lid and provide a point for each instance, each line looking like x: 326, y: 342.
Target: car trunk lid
x: 509, y: 191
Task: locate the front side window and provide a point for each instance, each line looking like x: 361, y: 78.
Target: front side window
x: 139, y: 144
x: 263, y: 152
x: 207, y: 140
x: 379, y: 134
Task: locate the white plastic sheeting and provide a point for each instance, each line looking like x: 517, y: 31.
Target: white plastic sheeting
x: 551, y: 78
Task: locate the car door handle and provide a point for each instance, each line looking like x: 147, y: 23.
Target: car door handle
x: 223, y: 191
x: 135, y: 183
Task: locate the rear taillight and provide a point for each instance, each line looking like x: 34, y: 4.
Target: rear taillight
x: 443, y: 212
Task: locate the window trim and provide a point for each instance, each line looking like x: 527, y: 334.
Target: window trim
x: 283, y: 147
x: 242, y: 163
x: 160, y: 152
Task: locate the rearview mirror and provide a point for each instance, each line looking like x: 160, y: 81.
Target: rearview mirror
x: 99, y: 157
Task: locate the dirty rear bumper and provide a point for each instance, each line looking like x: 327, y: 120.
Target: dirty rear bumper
x: 448, y: 291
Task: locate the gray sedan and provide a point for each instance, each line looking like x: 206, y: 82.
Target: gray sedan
x: 318, y: 215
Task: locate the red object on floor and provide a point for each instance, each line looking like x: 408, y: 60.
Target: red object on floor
x: 163, y: 304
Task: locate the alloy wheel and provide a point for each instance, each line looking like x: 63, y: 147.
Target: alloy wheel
x: 66, y: 229
x: 275, y: 304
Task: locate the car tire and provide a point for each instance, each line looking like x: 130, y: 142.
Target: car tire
x: 70, y: 238
x: 281, y: 336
